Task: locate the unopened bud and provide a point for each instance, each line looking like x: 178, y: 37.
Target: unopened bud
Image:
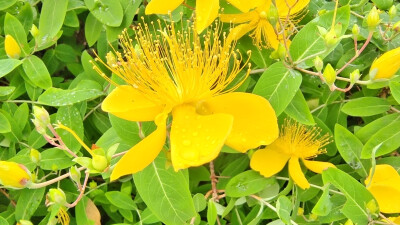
x: 34, y: 31
x: 321, y: 12
x: 331, y: 38
x: 373, y: 19
x: 349, y: 222
x: 338, y: 29
x: 273, y: 15
x: 75, y: 174
x: 56, y: 196
x: 322, y: 31
x: 42, y: 115
x: 313, y: 217
x: 11, y: 47
x: 39, y: 126
x: 35, y: 156
x: 24, y: 222
x: 396, y: 26
x: 329, y: 75
x: 14, y: 175
x: 318, y: 64
x: 355, y: 30
x: 300, y: 211
x: 99, y: 162
x: 392, y: 12
x: 372, y: 207
x: 385, y: 66
x: 354, y: 76
x: 93, y: 184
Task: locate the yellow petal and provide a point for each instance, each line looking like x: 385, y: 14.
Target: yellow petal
x: 296, y: 174
x: 254, y: 123
x: 239, y: 18
x: 268, y: 161
x: 317, y: 166
x: 125, y: 102
x: 11, y: 47
x: 143, y: 153
x: 386, y: 65
x: 197, y: 139
x: 296, y: 6
x: 245, y: 6
x: 206, y: 12
x: 384, y: 175
x: 388, y: 198
x: 162, y: 6
x: 14, y: 175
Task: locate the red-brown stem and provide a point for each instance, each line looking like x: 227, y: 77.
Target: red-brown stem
x: 82, y: 191
x: 8, y: 197
x: 52, y: 181
x: 214, y: 181
x: 62, y: 145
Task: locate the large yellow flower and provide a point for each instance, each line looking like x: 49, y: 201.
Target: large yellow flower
x: 257, y: 21
x: 295, y: 142
x: 206, y: 10
x: 174, y: 72
x: 385, y: 187
x: 386, y: 65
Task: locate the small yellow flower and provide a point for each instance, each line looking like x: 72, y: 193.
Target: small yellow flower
x: 295, y: 142
x: 12, y: 48
x: 14, y: 175
x: 386, y: 65
x: 206, y: 10
x: 257, y: 20
x: 175, y: 72
x: 385, y: 187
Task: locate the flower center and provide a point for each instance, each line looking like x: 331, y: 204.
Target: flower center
x: 263, y: 15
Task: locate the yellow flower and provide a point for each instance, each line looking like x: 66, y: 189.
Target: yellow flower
x: 385, y: 187
x: 263, y: 33
x: 14, y: 175
x: 386, y: 65
x: 295, y: 142
x: 174, y: 72
x: 206, y: 10
x: 11, y: 47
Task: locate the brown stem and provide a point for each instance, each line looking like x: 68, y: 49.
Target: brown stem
x: 62, y: 145
x: 8, y: 197
x: 214, y: 181
x: 52, y: 181
x: 82, y: 191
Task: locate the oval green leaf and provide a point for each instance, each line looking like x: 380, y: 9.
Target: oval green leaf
x: 108, y: 12
x: 366, y: 106
x: 37, y: 72
x: 8, y: 65
x: 247, y: 183
x: 121, y: 200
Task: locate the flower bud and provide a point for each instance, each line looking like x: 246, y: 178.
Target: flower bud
x: 331, y: 38
x: 329, y: 75
x: 372, y: 207
x: 93, y: 184
x: 318, y: 64
x: 75, y: 174
x: 14, y: 175
x: 373, y: 19
x: 55, y: 196
x: 35, y: 156
x: 313, y: 217
x: 39, y: 126
x: 392, y: 12
x: 42, y: 115
x: 34, y: 31
x: 386, y: 65
x: 99, y: 162
x: 396, y: 26
x: 300, y: 211
x: 273, y: 15
x: 355, y: 30
x: 354, y: 76
x: 11, y: 47
x: 24, y: 222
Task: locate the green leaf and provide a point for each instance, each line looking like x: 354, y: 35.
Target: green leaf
x: 260, y: 57
x: 324, y: 205
x: 51, y: 20
x: 6, y: 90
x: 28, y: 202
x: 279, y: 85
x: 2, y: 220
x: 121, y: 200
x: 60, y: 97
x: 395, y: 90
x: 126, y: 130
x: 283, y: 208
x: 81, y: 212
x: 247, y: 183
x: 4, y: 4
x: 5, y: 126
x: 13, y: 27
x: 366, y: 132
x: 129, y: 8
x: 356, y: 194
x: 65, y: 53
x: 93, y: 29
x: 211, y: 212
x: 385, y: 140
x: 109, y: 12
x: 37, y: 72
x: 165, y: 192
x: 200, y: 202
x: 298, y: 110
x: 308, y: 41
x: 8, y: 65
x: 350, y: 149
x: 70, y: 117
x: 366, y: 106
x: 55, y: 158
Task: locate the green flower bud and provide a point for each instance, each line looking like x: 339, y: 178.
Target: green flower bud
x: 392, y: 12
x: 75, y: 174
x: 42, y: 115
x: 24, y: 222
x: 55, y: 196
x: 93, y: 184
x: 355, y: 30
x: 331, y: 38
x: 318, y: 64
x: 372, y: 207
x: 373, y: 19
x: 39, y: 126
x: 329, y: 75
x: 354, y: 76
x: 99, y: 162
x: 35, y: 156
x: 34, y: 31
x: 322, y: 31
x: 273, y: 15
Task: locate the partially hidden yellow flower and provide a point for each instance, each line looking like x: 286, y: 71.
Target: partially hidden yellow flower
x: 11, y: 47
x: 386, y: 65
x: 14, y: 175
x: 206, y: 10
x: 175, y: 72
x: 256, y: 21
x: 385, y: 187
x: 295, y: 142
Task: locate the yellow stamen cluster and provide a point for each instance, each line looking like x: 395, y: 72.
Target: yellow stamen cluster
x: 301, y: 141
x: 175, y: 66
x: 62, y: 216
